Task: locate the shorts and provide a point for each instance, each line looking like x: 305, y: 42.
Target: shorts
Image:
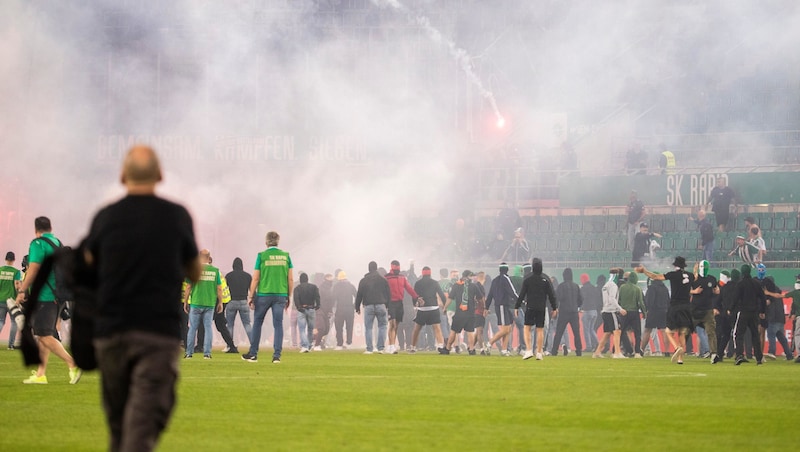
x: 656, y: 320
x: 610, y: 322
x: 680, y: 316
x: 395, y: 310
x: 44, y: 319
x: 535, y: 317
x: 504, y: 315
x: 722, y: 216
x: 480, y: 321
x: 462, y: 322
x: 428, y: 318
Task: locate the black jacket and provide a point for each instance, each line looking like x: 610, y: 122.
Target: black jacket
x: 657, y: 297
x: 306, y: 296
x: 592, y: 297
x: 343, y: 294
x: 372, y: 289
x: 569, y: 294
x: 502, y: 290
x: 536, y: 290
x: 749, y: 296
x: 238, y: 281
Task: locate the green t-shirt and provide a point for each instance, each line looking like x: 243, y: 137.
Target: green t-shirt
x: 204, y: 291
x: 274, y: 265
x: 39, y: 250
x: 8, y: 275
x: 446, y: 284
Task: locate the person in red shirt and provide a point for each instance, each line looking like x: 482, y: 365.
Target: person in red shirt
x: 398, y: 285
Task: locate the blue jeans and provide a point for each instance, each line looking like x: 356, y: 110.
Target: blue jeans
x: 372, y: 312
x: 305, y: 324
x: 702, y: 337
x: 196, y: 315
x: 12, y: 333
x: 708, y: 251
x: 238, y: 306
x: 262, y: 304
x: 775, y: 331
x: 589, y: 320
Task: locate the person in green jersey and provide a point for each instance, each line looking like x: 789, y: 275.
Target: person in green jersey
x: 271, y: 288
x: 46, y: 315
x: 10, y: 279
x: 206, y: 296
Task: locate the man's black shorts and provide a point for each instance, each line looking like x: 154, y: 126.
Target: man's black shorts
x: 428, y: 317
x: 504, y: 315
x: 610, y: 322
x: 480, y: 321
x: 395, y: 309
x: 463, y: 322
x: 44, y: 319
x: 680, y: 316
x: 535, y: 317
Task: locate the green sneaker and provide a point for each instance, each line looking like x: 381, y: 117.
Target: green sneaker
x: 34, y: 380
x: 75, y: 375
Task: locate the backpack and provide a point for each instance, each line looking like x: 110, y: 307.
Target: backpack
x: 61, y: 290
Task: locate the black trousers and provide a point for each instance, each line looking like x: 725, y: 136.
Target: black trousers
x: 631, y: 321
x: 342, y: 319
x: 573, y: 320
x: 222, y: 326
x: 323, y: 325
x: 744, y: 321
x: 724, y: 333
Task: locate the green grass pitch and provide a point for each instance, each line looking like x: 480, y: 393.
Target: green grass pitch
x: 348, y: 401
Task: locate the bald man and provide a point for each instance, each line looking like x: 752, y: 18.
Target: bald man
x: 142, y: 248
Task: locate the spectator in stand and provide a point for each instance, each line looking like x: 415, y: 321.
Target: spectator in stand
x: 656, y: 301
x: 498, y: 246
x: 519, y: 250
x: 757, y: 241
x: 747, y: 252
x: 592, y: 304
x: 720, y: 201
x: 635, y: 217
x: 706, y: 234
x: 749, y: 223
x: 508, y: 220
x: 666, y: 160
x: 641, y: 244
x: 570, y: 300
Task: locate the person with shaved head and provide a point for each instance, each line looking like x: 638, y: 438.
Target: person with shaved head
x: 142, y: 247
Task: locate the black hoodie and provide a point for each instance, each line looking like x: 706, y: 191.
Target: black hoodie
x: 749, y: 294
x: 569, y: 294
x: 372, y: 289
x: 537, y: 289
x: 238, y: 281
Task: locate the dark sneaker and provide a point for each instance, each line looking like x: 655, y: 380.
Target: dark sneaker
x: 443, y: 351
x: 760, y: 362
x: 740, y: 360
x: 471, y: 352
x: 276, y: 360
x: 717, y: 359
x: 565, y: 350
x: 797, y: 360
x: 206, y: 356
x: 187, y: 356
x: 250, y: 358
x: 233, y: 350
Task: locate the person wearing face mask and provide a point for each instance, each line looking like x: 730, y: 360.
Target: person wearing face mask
x: 704, y: 313
x: 775, y: 316
x: 679, y: 315
x: 794, y: 313
x: 536, y: 290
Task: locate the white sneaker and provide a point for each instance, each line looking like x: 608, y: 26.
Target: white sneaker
x: 528, y: 355
x: 338, y: 347
x: 367, y: 352
x: 304, y: 350
x: 346, y: 347
x: 318, y: 348
x: 769, y: 356
x: 619, y: 356
x: 539, y: 357
x: 505, y: 353
x: 637, y: 356
x: 226, y: 349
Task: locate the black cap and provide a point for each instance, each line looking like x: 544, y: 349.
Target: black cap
x: 10, y: 256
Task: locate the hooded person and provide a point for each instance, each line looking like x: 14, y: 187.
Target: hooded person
x: 723, y: 304
x: 570, y: 300
x: 307, y: 302
x: 631, y: 298
x: 504, y: 294
x: 679, y: 314
x: 610, y: 315
x: 749, y: 305
x: 373, y: 293
x: 705, y: 291
x: 775, y: 315
x: 592, y: 305
x: 343, y: 293
x: 656, y: 301
x: 536, y: 290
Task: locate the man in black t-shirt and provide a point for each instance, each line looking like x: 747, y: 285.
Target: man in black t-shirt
x: 142, y: 248
x: 679, y: 315
x: 641, y: 244
x: 720, y: 199
x: 427, y: 308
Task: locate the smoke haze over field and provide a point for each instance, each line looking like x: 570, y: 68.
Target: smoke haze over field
x: 339, y: 123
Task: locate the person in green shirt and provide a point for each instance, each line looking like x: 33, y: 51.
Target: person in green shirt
x: 10, y: 279
x: 271, y: 288
x: 46, y: 315
x: 206, y: 295
x: 631, y: 299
